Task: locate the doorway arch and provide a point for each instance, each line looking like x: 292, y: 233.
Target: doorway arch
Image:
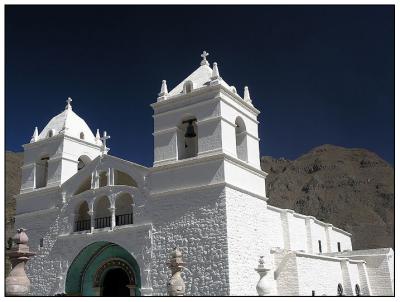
x: 98, y: 266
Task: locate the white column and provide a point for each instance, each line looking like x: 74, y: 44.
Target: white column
x: 328, y: 231
x: 73, y: 220
x: 364, y: 280
x: 309, y: 224
x: 112, y: 210
x: 286, y: 216
x: 92, y: 222
x: 91, y: 214
x: 110, y: 177
x: 347, y: 284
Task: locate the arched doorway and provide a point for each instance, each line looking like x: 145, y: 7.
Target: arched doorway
x: 103, y: 269
x: 115, y: 283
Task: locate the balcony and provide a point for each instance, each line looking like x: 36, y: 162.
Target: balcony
x: 103, y: 222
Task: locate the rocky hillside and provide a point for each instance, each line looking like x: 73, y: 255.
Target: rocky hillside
x: 350, y: 188
x: 13, y: 163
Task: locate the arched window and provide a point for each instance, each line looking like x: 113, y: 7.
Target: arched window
x: 358, y: 290
x: 82, y: 217
x: 42, y: 167
x: 241, y: 139
x: 51, y: 133
x: 187, y: 138
x: 82, y: 135
x: 102, y: 216
x: 340, y: 290
x: 123, y: 209
x: 188, y: 87
x: 83, y: 161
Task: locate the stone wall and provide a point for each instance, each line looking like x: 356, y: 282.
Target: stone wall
x: 196, y: 223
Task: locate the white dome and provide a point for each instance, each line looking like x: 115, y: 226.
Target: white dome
x: 70, y: 123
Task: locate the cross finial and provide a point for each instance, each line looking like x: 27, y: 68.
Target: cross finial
x: 69, y: 100
x: 104, y: 140
x: 204, y: 56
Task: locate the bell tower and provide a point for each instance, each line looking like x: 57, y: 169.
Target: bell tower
x: 204, y: 119
x: 62, y: 148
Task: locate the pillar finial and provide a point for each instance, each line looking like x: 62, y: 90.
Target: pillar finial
x: 17, y: 282
x: 35, y: 135
x: 246, y: 95
x: 164, y: 88
x: 263, y: 286
x: 176, y: 285
x: 204, y: 56
x: 97, y: 135
x: 215, y: 72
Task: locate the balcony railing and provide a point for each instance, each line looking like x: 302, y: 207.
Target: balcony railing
x: 102, y: 222
x: 124, y: 219
x: 82, y: 225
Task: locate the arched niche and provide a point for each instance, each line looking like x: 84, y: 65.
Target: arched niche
x: 122, y: 178
x: 241, y: 139
x: 188, y: 87
x: 41, y: 172
x: 102, y: 215
x: 82, y: 217
x: 83, y: 160
x: 187, y: 137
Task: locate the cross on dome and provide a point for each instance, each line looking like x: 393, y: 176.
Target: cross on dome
x: 204, y: 56
x: 69, y: 100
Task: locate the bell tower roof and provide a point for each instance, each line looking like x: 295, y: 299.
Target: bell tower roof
x: 68, y: 122
x: 202, y: 76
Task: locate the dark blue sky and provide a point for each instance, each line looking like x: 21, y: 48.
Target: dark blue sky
x: 319, y: 74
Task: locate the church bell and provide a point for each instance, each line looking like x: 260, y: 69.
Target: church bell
x: 190, y: 130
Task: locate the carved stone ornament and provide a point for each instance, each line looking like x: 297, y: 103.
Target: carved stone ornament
x: 263, y: 285
x: 17, y: 282
x: 176, y: 286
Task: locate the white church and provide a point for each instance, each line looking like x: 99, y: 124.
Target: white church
x: 104, y: 226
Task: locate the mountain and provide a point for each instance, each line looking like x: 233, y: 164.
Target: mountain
x: 351, y: 188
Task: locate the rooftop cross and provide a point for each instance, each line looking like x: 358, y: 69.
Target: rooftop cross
x: 204, y: 56
x: 104, y: 140
x: 69, y: 100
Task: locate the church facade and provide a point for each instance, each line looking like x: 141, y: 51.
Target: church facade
x: 104, y: 226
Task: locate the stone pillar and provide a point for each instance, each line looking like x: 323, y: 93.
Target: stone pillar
x: 132, y: 289
x: 112, y: 211
x: 96, y: 291
x: 17, y: 282
x: 263, y: 287
x: 176, y: 286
